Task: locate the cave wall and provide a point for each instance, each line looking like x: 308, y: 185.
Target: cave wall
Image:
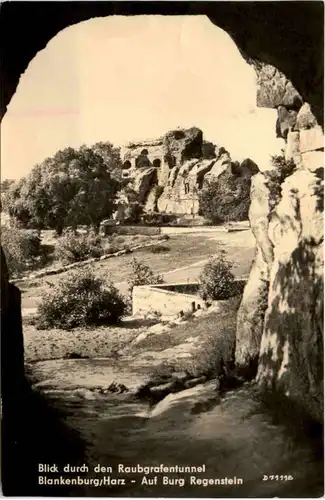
x: 287, y: 34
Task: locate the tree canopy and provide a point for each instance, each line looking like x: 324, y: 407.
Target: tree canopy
x: 73, y: 187
x: 226, y: 198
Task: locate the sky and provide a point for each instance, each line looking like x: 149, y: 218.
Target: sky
x: 122, y: 79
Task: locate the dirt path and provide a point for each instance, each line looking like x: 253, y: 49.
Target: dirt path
x: 231, y: 438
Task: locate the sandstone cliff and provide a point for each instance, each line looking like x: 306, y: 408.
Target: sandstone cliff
x: 169, y: 172
x: 280, y: 320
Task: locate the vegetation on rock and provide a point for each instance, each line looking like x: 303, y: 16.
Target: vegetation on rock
x: 226, y: 198
x: 275, y: 177
x: 22, y: 248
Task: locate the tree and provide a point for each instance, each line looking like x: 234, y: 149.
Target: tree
x: 134, y: 209
x: 73, y: 187
x: 227, y: 198
x: 111, y: 157
x: 13, y: 205
x: 6, y: 184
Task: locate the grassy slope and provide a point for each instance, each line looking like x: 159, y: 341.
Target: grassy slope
x: 185, y: 250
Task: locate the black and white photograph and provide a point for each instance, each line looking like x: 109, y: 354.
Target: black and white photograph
x: 162, y: 260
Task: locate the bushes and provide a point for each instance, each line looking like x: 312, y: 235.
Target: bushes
x: 226, y: 199
x: 80, y: 299
x: 22, y: 248
x: 213, y: 352
x: 217, y: 281
x: 142, y: 275
x: 159, y: 249
x: 73, y: 247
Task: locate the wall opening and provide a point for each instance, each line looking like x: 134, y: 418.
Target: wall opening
x: 170, y: 160
x: 126, y: 165
x: 142, y: 160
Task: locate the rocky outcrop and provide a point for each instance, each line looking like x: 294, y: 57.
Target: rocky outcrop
x: 144, y: 181
x: 291, y: 354
x: 274, y: 89
x: 168, y: 173
x: 183, y: 145
x: 180, y: 195
x: 280, y: 320
x: 250, y: 317
x: 12, y: 344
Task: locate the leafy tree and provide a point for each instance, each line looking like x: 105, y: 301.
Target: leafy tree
x: 282, y: 168
x: 208, y: 150
x: 74, y: 247
x: 134, y: 209
x: 73, y: 187
x: 6, y: 184
x: 12, y: 204
x: 22, y: 248
x: 225, y: 199
x: 111, y: 157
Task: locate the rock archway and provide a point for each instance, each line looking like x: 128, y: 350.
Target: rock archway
x: 261, y: 31
x: 280, y: 322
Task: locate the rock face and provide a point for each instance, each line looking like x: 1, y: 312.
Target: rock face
x: 274, y: 89
x: 168, y: 173
x: 250, y: 316
x: 280, y: 320
x: 291, y: 353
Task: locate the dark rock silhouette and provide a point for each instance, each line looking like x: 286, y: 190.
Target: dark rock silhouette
x: 32, y: 432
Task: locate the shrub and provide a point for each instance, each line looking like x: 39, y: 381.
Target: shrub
x: 22, y: 249
x: 217, y: 281
x: 80, y: 299
x: 283, y: 168
x: 225, y: 199
x: 159, y: 249
x: 142, y: 275
x: 73, y: 247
